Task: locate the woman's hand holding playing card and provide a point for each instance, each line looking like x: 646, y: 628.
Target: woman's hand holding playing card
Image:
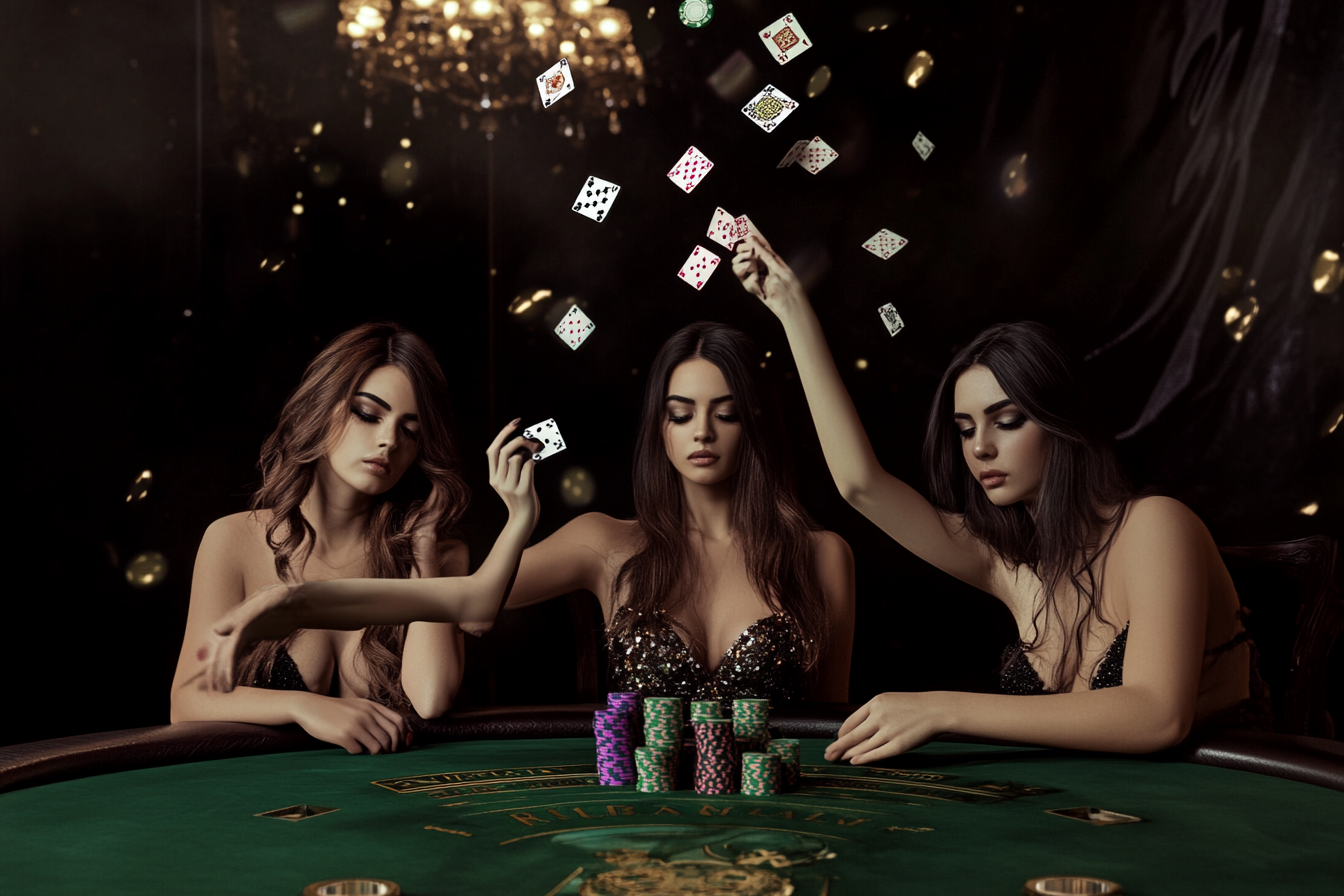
x: 765, y: 275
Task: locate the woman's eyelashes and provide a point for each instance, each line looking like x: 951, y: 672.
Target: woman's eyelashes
x: 366, y: 417
x: 687, y: 418
x: 1009, y: 424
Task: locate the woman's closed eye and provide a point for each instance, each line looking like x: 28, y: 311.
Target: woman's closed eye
x: 1011, y: 423
x: 366, y: 417
x: 679, y: 418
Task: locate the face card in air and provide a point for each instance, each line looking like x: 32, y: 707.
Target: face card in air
x: 555, y: 82
x: 784, y: 38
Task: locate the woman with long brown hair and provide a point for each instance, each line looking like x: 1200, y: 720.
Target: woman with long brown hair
x: 722, y: 585
x: 359, y: 479
x: 1130, y: 627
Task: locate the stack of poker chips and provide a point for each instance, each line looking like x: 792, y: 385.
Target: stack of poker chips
x: 625, y: 701
x: 716, y: 769
x: 705, y: 709
x: 750, y: 717
x: 760, y: 774
x: 789, y: 752
x: 615, y: 731
x: 662, y: 730
x: 657, y: 769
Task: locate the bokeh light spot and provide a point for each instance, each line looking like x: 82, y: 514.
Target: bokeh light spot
x: 820, y: 80
x: 147, y: 570
x: 139, y: 488
x: 577, y: 487
x: 1239, y: 316
x: 1310, y: 509
x: 918, y: 68
x: 1327, y: 272
x: 1013, y: 178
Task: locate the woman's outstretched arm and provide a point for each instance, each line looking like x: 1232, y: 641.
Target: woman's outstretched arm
x: 471, y: 601
x: 433, y: 657
x: 1159, y: 565
x: 892, y: 505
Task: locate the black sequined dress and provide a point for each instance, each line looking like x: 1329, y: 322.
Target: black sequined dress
x: 766, y: 661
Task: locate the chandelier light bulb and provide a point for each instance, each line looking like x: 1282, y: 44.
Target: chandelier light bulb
x: 581, y: 7
x: 609, y: 27
x: 423, y: 4
x: 370, y: 18
x: 482, y: 8
x: 450, y: 9
x: 455, y: 31
x: 356, y: 30
x: 566, y: 47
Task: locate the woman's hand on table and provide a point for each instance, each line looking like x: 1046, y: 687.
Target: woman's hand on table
x: 888, y: 725
x: 356, y: 724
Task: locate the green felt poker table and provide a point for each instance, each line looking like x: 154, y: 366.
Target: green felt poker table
x: 507, y: 801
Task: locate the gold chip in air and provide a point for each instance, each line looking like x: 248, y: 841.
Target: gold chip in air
x: 918, y: 68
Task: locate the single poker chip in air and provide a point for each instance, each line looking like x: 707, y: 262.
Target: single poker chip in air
x: 696, y: 13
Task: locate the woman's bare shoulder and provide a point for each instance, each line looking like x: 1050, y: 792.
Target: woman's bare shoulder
x: 601, y: 532
x: 1154, y: 517
x: 829, y: 548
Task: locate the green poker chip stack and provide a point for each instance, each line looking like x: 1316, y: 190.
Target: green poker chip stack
x: 696, y: 13
x: 789, y: 752
x: 663, y: 726
x: 705, y: 709
x: 657, y: 773
x: 760, y: 774
x: 751, y: 715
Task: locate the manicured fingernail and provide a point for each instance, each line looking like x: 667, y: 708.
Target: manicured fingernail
x: 516, y: 421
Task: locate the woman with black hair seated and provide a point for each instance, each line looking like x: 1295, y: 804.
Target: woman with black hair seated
x: 1130, y: 626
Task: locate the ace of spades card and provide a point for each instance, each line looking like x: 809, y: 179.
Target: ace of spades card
x: 698, y: 267
x: 891, y: 318
x: 923, y: 145
x: 548, y: 434
x: 575, y: 327
x: 595, y: 199
x: 885, y: 244
x: 769, y: 107
x: 555, y: 82
x: 690, y: 169
x: 784, y: 38
x: 817, y: 155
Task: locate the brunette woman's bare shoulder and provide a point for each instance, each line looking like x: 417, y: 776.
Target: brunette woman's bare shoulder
x: 1154, y: 515
x: 829, y: 549
x: 601, y: 532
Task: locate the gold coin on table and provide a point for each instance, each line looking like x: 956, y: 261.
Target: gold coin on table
x: 354, y: 886
x: 1070, y: 886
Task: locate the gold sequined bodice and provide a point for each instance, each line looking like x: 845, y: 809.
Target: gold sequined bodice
x: 766, y: 660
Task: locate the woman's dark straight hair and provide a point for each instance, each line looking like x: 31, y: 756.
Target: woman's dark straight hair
x: 1083, y: 495
x: 313, y: 417
x: 772, y: 528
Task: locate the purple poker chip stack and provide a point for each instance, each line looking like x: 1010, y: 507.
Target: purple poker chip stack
x: 628, y: 701
x: 615, y: 733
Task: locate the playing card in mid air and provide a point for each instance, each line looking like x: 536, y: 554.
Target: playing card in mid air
x: 575, y: 327
x: 722, y: 229
x: 884, y: 244
x: 784, y: 38
x: 596, y: 197
x: 794, y: 154
x: 555, y: 82
x: 548, y: 434
x: 690, y: 170
x: 698, y: 267
x: 769, y: 107
x: 817, y: 155
x: 923, y: 145
x: 891, y: 319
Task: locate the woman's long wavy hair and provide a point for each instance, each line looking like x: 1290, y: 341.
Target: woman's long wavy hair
x: 312, y: 420
x: 1083, y: 496
x: 769, y: 524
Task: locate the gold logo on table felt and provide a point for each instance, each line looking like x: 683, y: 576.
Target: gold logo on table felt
x: 296, y: 813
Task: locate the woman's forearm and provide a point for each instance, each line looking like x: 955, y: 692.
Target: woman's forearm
x: 1118, y: 720
x: 849, y: 454
x: 259, y: 706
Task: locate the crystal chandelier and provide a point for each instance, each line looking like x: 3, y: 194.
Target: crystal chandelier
x: 484, y: 55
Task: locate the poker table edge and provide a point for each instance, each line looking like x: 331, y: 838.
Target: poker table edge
x: 1309, y: 760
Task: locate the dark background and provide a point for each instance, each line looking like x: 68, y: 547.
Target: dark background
x: 161, y: 299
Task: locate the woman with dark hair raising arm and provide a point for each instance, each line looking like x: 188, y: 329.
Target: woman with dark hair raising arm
x: 333, y: 504
x: 1130, y: 627
x: 722, y: 586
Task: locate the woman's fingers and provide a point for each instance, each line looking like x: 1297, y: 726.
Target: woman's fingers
x: 492, y: 452
x: 855, y: 718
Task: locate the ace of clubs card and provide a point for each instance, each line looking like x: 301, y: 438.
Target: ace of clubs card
x: 595, y: 199
x: 575, y: 327
x: 548, y: 434
x: 690, y: 170
x: 555, y: 82
x: 698, y: 267
x: 891, y: 318
x: 923, y: 145
x: 784, y: 38
x: 885, y: 244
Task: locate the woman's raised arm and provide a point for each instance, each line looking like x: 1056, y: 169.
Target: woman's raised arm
x: 892, y: 505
